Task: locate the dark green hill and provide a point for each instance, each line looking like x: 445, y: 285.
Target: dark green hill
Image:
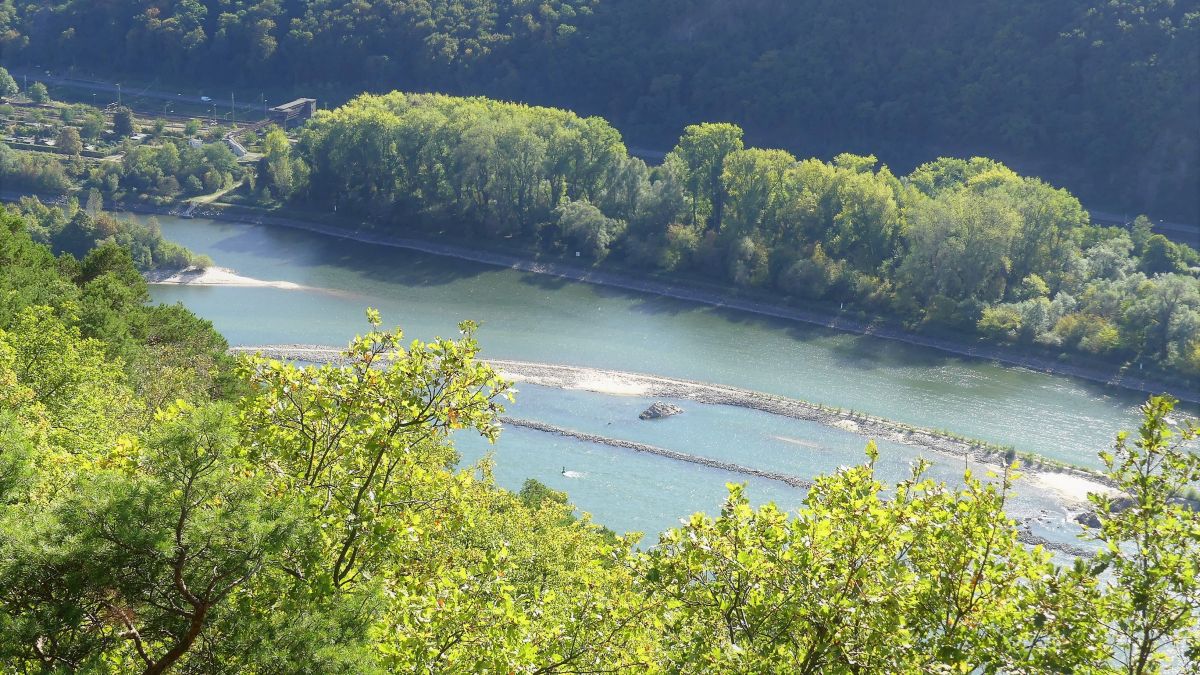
x: 1102, y: 97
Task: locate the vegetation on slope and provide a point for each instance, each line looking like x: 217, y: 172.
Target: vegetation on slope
x: 159, y: 173
x: 154, y: 519
x: 1100, y: 95
x: 75, y: 230
x: 101, y: 301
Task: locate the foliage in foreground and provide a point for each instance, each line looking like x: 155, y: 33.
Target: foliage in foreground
x: 314, y: 520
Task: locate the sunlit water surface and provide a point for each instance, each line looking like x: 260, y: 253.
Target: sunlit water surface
x: 538, y: 318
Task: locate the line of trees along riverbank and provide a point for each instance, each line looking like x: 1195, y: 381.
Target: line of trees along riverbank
x: 963, y: 245
x: 163, y: 509
x: 1105, y: 93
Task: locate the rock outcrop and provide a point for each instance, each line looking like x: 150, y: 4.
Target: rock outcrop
x: 660, y: 410
x: 1121, y: 504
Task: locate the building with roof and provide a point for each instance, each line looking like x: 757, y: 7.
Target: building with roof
x: 293, y: 113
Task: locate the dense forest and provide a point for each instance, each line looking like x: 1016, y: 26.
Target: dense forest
x: 165, y: 507
x: 1100, y: 95
x: 957, y: 245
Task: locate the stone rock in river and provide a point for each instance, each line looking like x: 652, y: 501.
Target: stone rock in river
x: 660, y: 410
x: 847, y: 425
x: 1118, y: 505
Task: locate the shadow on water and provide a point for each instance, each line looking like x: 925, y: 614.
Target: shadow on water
x: 643, y: 302
x: 861, y: 352
x: 851, y: 350
x: 546, y: 282
x: 310, y: 250
x: 651, y: 303
x: 658, y: 305
x: 865, y: 351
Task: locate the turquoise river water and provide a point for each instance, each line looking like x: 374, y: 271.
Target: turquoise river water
x: 537, y: 318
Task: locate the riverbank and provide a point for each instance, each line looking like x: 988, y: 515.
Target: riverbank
x: 1070, y: 483
x: 713, y: 297
x: 717, y: 297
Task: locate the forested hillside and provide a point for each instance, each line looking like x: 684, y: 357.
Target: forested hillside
x: 957, y: 245
x: 1101, y: 96
x: 164, y: 509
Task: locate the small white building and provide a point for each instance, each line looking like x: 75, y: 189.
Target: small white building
x: 195, y: 142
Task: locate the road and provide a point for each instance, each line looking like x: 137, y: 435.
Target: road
x: 131, y: 92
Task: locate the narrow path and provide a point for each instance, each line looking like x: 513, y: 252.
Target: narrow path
x: 190, y: 205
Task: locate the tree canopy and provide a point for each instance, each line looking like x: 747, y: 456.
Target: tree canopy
x: 1100, y: 95
x: 315, y: 518
x: 962, y: 245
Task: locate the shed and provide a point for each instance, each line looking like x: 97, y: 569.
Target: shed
x: 293, y: 113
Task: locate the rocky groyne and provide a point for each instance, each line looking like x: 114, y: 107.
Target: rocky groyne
x: 794, y: 481
x: 609, y: 381
x: 1023, y: 534
x: 594, y: 379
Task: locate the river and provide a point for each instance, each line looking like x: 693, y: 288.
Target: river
x: 537, y: 318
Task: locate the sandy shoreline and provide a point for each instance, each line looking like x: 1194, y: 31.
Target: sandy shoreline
x: 213, y: 276
x: 1070, y: 484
